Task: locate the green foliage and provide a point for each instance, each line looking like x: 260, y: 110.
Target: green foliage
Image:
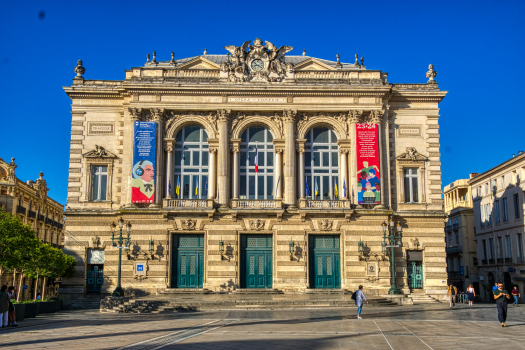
x: 21, y: 249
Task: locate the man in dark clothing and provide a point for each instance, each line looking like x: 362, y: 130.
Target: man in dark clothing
x: 4, y: 306
x: 451, y: 293
x: 501, y: 296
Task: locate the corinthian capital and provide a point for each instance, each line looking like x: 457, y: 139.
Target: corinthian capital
x: 376, y: 116
x: 223, y: 115
x: 289, y: 115
x: 157, y: 114
x: 135, y: 113
x: 354, y: 116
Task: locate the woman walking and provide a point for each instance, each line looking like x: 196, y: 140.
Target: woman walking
x: 516, y: 294
x: 471, y: 293
x: 359, y: 296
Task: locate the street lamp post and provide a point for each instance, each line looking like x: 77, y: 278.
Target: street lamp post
x: 394, y: 240
x: 120, y: 243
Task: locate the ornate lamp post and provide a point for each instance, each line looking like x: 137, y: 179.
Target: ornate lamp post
x: 120, y: 243
x: 392, y: 241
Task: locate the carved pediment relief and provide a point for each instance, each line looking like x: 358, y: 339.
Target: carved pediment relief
x: 312, y: 64
x: 412, y: 155
x: 257, y: 224
x: 99, y: 152
x: 188, y: 224
x: 199, y: 63
x: 325, y: 225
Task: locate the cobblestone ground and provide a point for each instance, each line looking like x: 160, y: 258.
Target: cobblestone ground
x: 408, y: 327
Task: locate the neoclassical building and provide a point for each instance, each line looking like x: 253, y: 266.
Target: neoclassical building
x: 255, y: 169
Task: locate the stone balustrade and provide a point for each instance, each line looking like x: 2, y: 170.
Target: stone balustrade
x: 256, y: 204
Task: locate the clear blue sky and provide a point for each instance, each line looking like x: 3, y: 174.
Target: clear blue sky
x: 477, y: 48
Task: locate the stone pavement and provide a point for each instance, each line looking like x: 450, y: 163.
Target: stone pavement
x: 405, y: 327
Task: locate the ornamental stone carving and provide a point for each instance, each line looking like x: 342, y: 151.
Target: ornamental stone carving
x: 99, y: 152
x: 257, y: 224
x: 257, y: 63
x: 325, y: 225
x: 279, y: 122
x: 80, y: 70
x: 135, y: 113
x: 354, y: 116
x: 374, y: 117
x: 188, y: 224
x: 412, y: 155
x: 178, y: 119
x: 223, y: 115
x: 235, y: 120
x: 431, y: 74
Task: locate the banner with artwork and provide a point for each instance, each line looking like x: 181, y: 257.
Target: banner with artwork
x: 368, y: 177
x: 143, y: 175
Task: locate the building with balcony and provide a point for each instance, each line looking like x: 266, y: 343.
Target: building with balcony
x: 255, y: 170
x: 462, y: 261
x: 498, y: 196
x: 29, y: 201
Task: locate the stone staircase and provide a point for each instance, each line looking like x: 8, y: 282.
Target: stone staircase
x: 419, y: 298
x: 257, y: 291
x: 191, y: 291
x: 319, y: 291
x: 90, y: 301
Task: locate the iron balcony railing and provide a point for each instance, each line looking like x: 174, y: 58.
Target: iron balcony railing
x: 32, y: 214
x: 492, y: 261
x: 21, y: 210
x: 455, y: 227
x: 449, y: 229
x: 454, y: 274
x: 41, y: 218
x: 484, y: 262
x: 454, y: 250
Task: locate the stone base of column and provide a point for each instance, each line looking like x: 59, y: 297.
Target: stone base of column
x: 130, y: 206
x: 381, y: 206
x: 155, y: 206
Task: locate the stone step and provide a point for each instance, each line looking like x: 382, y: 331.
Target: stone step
x: 326, y: 291
x: 257, y: 291
x: 186, y: 291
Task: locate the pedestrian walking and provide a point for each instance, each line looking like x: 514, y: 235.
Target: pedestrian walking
x: 501, y: 296
x: 4, y: 306
x: 516, y: 294
x: 12, y: 313
x: 452, y: 292
x: 359, y: 297
x: 471, y: 293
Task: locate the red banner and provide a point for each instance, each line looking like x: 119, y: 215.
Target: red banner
x: 368, y: 183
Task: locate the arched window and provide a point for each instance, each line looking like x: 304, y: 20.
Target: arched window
x: 191, y: 163
x: 30, y: 205
x: 322, y: 164
x: 256, y: 174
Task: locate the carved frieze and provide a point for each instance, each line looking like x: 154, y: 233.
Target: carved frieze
x: 325, y: 225
x: 257, y: 224
x: 188, y: 224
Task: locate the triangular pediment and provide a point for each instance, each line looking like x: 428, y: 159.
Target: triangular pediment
x: 312, y: 64
x: 199, y: 63
x: 99, y: 152
x: 412, y: 155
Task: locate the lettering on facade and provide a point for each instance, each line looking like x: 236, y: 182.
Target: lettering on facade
x: 258, y: 99
x: 101, y: 128
x: 408, y: 131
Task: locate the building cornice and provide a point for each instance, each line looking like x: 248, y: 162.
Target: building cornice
x: 487, y: 174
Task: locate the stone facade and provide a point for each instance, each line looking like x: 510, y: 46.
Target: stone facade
x: 29, y: 201
x: 462, y: 261
x: 497, y: 196
x: 225, y: 95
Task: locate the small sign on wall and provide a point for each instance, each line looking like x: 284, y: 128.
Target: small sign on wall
x: 140, y: 268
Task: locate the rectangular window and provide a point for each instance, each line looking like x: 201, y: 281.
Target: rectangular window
x: 269, y: 187
x: 251, y: 187
x: 516, y: 206
x: 486, y: 189
x: 520, y: 246
x: 99, y: 183
x: 482, y: 215
x: 488, y: 213
x: 411, y: 185
x: 509, y: 248
x: 242, y: 186
x: 491, y: 247
x: 484, y: 247
x: 500, y: 244
x: 494, y: 188
x: 503, y: 182
x: 505, y: 210
x: 496, y: 212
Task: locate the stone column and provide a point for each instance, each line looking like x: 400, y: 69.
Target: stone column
x: 222, y: 166
x: 289, y: 117
x: 157, y: 115
x: 235, y: 151
x: 279, y: 173
x: 169, y: 168
x: 343, y: 178
x: 212, y: 174
x: 302, y: 189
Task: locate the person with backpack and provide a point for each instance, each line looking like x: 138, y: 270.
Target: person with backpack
x: 358, y: 296
x: 452, y: 292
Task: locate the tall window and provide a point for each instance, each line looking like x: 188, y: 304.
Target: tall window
x: 500, y: 244
x: 516, y: 206
x: 505, y: 210
x: 503, y: 182
x: 484, y: 247
x: 256, y: 168
x: 496, y: 212
x: 482, y: 215
x: 488, y: 216
x: 509, y: 248
x: 190, y: 173
x: 520, y: 246
x: 411, y: 185
x: 494, y: 188
x: 491, y: 247
x: 486, y: 188
x: 99, y: 183
x: 322, y: 166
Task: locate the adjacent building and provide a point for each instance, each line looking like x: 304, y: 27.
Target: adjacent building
x: 462, y: 261
x: 29, y: 201
x: 498, y: 196
x: 255, y: 169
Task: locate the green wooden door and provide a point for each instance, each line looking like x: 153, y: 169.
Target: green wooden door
x: 415, y: 274
x: 188, y: 261
x: 325, y: 262
x: 256, y: 261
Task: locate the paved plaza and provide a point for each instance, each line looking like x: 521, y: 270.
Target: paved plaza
x: 407, y: 327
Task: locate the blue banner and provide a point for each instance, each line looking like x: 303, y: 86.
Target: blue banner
x: 143, y: 174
